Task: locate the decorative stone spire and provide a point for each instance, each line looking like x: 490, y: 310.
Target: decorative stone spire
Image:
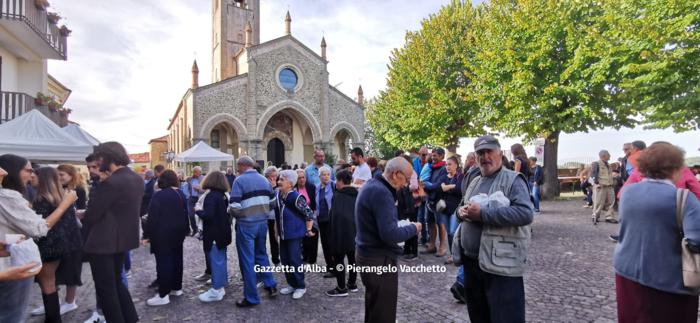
x: 323, y: 47
x: 360, y: 96
x: 195, y: 75
x: 248, y: 35
x: 288, y: 24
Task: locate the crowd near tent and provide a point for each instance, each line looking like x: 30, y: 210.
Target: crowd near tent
x: 37, y: 138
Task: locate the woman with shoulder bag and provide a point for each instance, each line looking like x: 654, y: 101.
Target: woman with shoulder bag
x: 166, y: 229
x: 648, y: 267
x: 216, y: 235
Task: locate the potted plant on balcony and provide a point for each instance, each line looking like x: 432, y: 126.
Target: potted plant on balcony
x: 53, y: 17
x: 54, y: 106
x: 65, y: 32
x: 41, y: 4
x: 41, y: 99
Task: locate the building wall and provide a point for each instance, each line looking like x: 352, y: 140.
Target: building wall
x: 32, y: 77
x: 10, y: 71
x: 157, y: 150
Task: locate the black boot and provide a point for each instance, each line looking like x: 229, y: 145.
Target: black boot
x: 52, y: 307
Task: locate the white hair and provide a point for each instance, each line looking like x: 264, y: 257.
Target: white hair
x: 290, y: 176
x: 396, y: 164
x: 246, y: 161
x: 197, y: 168
x: 269, y: 170
x: 324, y: 169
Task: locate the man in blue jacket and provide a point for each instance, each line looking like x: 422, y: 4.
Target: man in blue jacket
x: 438, y: 175
x: 250, y: 205
x: 378, y: 233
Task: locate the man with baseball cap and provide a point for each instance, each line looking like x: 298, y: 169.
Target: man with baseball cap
x: 494, y: 239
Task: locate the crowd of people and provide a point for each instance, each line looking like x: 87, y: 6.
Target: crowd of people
x: 474, y: 213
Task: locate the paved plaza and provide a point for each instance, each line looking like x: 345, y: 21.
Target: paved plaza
x: 570, y: 279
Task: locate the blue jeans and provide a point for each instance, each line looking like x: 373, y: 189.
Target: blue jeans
x: 536, y: 197
x: 290, y: 254
x: 250, y: 244
x: 451, y: 229
x: 14, y: 298
x: 421, y: 219
x: 219, y: 269
x: 460, y: 275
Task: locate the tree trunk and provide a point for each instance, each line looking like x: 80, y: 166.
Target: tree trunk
x: 452, y: 146
x: 551, y: 180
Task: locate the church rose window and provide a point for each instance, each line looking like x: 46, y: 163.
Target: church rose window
x: 288, y: 79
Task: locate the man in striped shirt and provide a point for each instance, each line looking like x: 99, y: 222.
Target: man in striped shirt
x: 250, y: 205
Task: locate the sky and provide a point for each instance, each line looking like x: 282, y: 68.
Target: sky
x: 129, y: 61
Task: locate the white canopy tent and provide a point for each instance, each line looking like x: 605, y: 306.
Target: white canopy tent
x: 35, y: 137
x: 201, y: 152
x: 76, y: 132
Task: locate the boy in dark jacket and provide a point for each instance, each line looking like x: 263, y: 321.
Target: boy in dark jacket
x: 342, y: 244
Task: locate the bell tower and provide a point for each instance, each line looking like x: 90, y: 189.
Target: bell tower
x: 229, y: 20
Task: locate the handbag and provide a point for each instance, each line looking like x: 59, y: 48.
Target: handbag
x: 690, y: 261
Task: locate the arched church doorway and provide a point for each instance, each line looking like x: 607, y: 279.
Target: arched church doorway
x: 275, y: 152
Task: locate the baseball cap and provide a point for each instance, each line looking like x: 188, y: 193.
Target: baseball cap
x: 486, y: 142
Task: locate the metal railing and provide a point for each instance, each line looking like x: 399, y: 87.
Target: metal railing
x: 26, y: 11
x: 13, y: 105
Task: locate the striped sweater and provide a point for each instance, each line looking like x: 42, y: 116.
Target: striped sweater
x: 250, y: 197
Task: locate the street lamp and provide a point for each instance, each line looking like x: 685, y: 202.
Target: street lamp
x: 169, y: 156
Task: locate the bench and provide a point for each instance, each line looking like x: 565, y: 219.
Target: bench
x: 568, y: 176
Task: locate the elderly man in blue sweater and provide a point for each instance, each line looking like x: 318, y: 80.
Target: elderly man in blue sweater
x: 250, y: 204
x: 378, y: 232
x: 494, y: 239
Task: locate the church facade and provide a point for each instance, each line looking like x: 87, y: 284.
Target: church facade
x: 271, y: 101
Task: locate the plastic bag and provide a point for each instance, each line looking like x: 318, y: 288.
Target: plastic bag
x: 495, y: 200
x: 24, y: 252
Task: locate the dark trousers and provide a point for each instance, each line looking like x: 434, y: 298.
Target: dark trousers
x: 274, y: 243
x: 325, y: 231
x: 309, y: 248
x: 190, y: 214
x: 493, y: 298
x: 340, y: 275
x: 381, y: 290
x: 291, y: 256
x: 169, y: 267
x: 410, y: 246
x: 207, y: 261
x: 114, y: 297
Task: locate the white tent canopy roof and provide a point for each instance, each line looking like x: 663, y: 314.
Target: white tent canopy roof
x: 76, y: 132
x: 201, y: 152
x: 35, y: 137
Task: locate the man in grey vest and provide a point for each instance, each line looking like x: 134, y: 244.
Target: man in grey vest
x: 603, y: 190
x: 494, y: 240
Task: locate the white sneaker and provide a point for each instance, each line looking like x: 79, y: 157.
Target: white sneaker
x: 287, y: 290
x: 260, y: 285
x: 176, y: 292
x: 38, y: 311
x: 68, y: 307
x: 158, y: 301
x: 298, y: 293
x: 212, y: 295
x: 96, y: 318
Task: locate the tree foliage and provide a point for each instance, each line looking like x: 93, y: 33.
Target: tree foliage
x: 428, y: 84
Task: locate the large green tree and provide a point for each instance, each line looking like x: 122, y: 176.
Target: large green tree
x: 656, y: 44
x: 538, y: 73
x: 427, y: 100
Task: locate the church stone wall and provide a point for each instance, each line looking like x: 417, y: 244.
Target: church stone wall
x: 225, y: 97
x: 309, y: 73
x: 344, y: 109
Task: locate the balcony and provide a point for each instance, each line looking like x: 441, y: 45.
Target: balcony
x: 31, y: 33
x: 13, y: 105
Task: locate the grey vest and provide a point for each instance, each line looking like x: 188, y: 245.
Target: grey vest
x: 502, y: 250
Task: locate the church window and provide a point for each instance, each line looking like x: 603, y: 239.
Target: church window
x: 215, y: 139
x: 288, y: 79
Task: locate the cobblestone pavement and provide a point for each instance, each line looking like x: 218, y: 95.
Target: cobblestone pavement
x: 570, y: 279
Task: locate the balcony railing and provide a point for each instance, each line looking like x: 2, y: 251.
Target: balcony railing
x: 26, y: 11
x: 13, y: 105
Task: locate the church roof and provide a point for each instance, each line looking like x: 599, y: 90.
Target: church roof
x: 294, y: 40
x: 345, y: 96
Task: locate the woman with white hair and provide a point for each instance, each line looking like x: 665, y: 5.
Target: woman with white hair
x: 324, y: 197
x: 294, y: 222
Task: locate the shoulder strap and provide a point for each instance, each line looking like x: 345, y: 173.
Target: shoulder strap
x: 681, y: 198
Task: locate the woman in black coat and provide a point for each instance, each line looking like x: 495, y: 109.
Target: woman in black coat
x: 342, y: 232
x: 216, y: 227
x: 166, y: 228
x: 309, y: 245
